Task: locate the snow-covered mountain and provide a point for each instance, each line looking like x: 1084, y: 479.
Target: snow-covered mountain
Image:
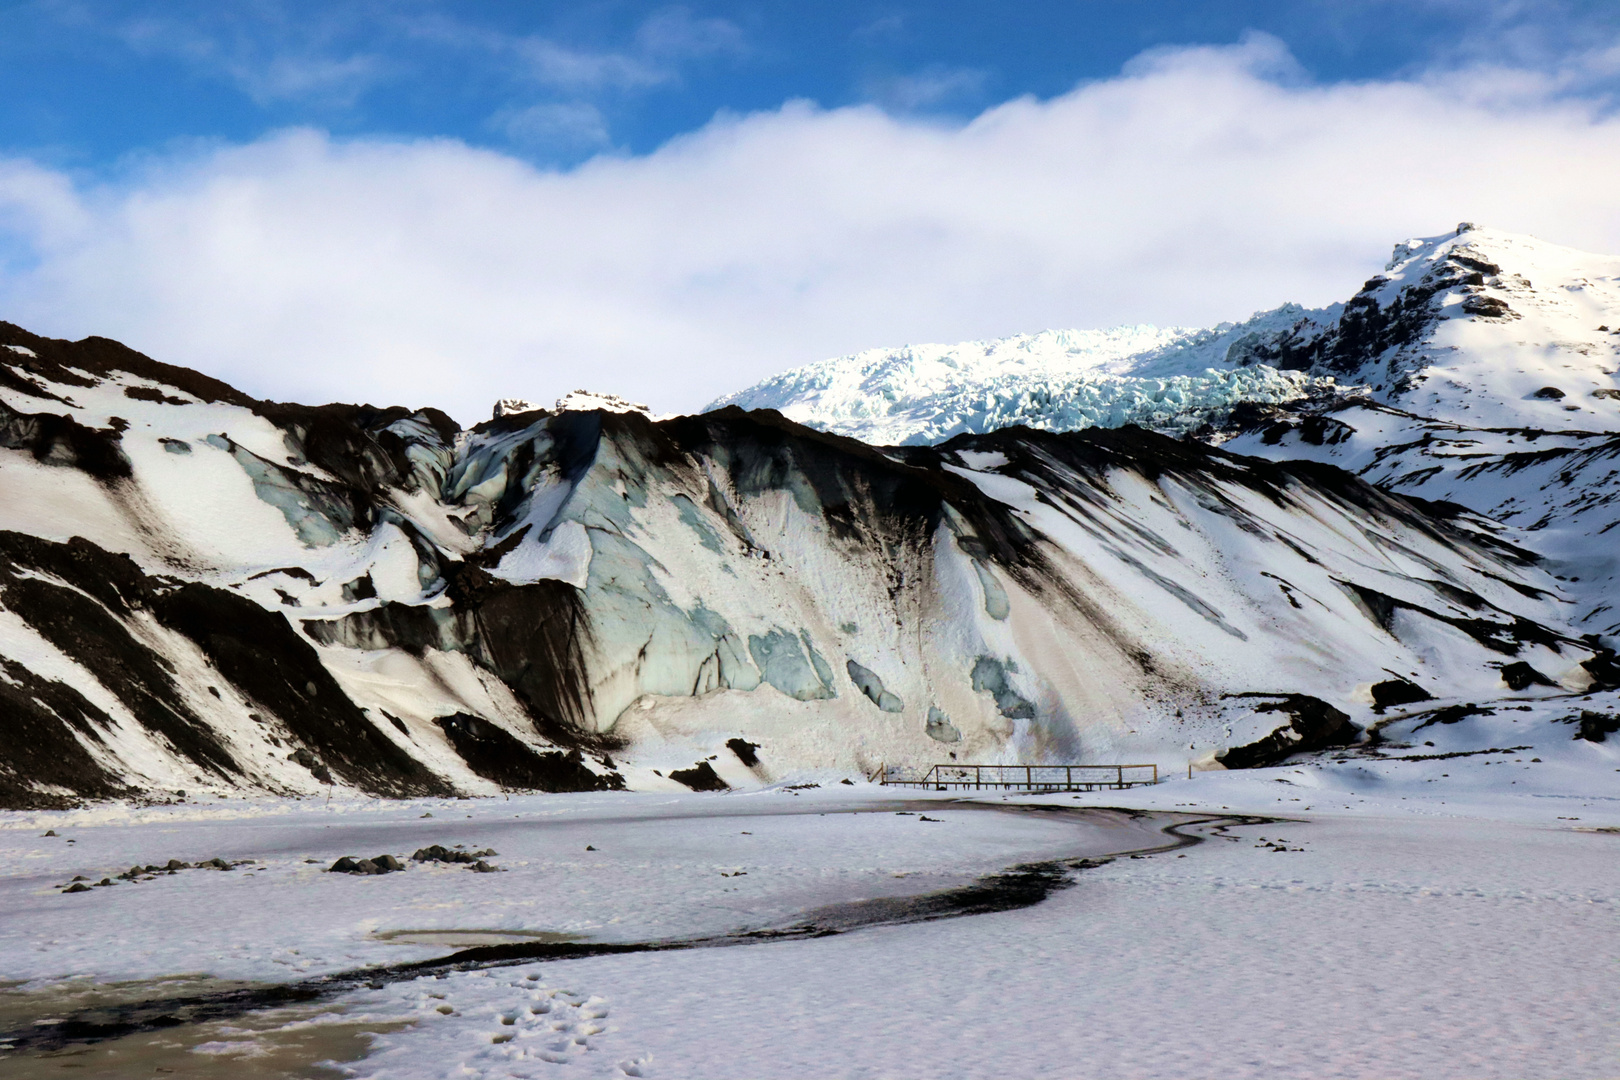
x: 1490, y: 363
x: 201, y: 591
x: 1479, y: 368
x: 1478, y: 327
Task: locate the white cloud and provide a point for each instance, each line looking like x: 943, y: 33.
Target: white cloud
x: 662, y: 43
x: 273, y: 58
x: 674, y: 34
x: 931, y: 87
x: 1200, y: 185
x: 566, y: 124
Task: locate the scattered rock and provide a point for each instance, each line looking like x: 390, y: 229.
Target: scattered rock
x: 382, y: 864
x: 848, y: 781
x: 76, y: 887
x: 302, y: 756
x: 1451, y: 714
x: 482, y: 867
x: 1548, y: 393
x: 176, y: 864
x: 440, y: 853
x: 50, y: 832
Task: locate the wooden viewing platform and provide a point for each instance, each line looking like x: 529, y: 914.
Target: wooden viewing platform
x: 1023, y: 777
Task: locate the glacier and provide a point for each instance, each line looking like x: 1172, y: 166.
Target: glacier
x: 200, y: 591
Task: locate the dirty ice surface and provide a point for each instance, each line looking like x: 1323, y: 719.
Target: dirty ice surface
x: 1441, y: 905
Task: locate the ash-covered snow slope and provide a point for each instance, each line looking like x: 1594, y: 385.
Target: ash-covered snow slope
x: 200, y: 591
x: 1489, y: 363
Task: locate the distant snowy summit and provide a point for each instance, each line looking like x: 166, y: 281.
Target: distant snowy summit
x: 1477, y: 326
x: 573, y: 401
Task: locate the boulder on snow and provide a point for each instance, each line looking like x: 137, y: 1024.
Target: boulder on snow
x: 1604, y: 670
x: 1313, y: 725
x: 700, y: 777
x: 747, y: 752
x: 1397, y: 692
x: 1596, y: 726
x: 1520, y: 676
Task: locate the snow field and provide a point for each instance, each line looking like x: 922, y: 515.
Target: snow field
x: 664, y: 866
x: 1442, y: 917
x: 1414, y: 911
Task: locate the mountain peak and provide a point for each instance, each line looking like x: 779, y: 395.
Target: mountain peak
x: 591, y: 401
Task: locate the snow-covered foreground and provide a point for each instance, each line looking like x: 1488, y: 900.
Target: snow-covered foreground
x: 1430, y: 916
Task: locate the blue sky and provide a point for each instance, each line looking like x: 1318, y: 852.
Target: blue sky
x: 87, y: 84
x: 439, y: 202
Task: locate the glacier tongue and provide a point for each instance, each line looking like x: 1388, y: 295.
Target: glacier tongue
x: 1172, y: 379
